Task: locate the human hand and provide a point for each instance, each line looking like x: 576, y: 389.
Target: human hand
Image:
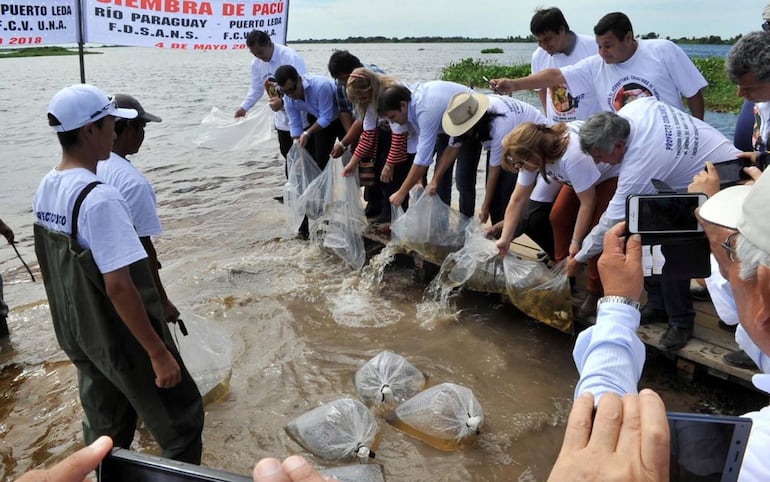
x: 706, y: 181
x: 337, y: 150
x: 293, y: 469
x: 574, y: 267
x: 166, y: 369
x: 504, y: 86
x: 627, y: 441
x: 386, y: 176
x: 620, y: 265
x: 74, y: 468
x: 170, y: 313
x: 431, y: 188
x: 494, y: 230
x: 502, y: 245
x: 483, y: 213
x: 302, y: 139
x: 574, y: 248
x: 239, y: 113
x: 397, y: 198
x: 275, y: 103
x: 349, y: 168
x: 6, y: 231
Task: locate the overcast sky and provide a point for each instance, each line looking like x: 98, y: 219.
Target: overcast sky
x: 501, y: 18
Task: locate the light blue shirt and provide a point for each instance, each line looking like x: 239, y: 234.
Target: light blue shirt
x: 319, y: 101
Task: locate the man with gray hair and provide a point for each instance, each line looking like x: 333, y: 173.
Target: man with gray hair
x: 748, y: 66
x: 652, y: 140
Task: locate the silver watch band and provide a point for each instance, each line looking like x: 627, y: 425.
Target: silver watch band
x: 619, y: 299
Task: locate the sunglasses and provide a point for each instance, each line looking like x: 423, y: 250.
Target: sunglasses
x: 766, y: 26
x: 108, y: 107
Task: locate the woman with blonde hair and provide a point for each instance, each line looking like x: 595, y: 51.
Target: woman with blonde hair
x: 554, y: 152
x: 363, y: 89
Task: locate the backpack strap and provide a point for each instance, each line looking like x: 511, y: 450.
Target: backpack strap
x: 76, y: 211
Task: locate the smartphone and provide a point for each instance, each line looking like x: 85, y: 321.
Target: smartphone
x: 491, y: 86
x: 706, y: 447
x: 731, y: 172
x: 122, y: 465
x: 663, y: 213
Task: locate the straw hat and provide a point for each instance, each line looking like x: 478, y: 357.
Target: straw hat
x: 463, y: 112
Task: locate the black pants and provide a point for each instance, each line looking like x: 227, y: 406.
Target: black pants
x: 321, y: 143
x: 285, y: 142
x: 672, y: 295
x: 465, y: 174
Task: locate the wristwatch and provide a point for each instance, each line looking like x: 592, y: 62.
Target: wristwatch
x: 618, y: 299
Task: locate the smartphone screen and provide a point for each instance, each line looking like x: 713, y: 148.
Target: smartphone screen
x: 663, y: 213
x: 123, y: 465
x: 706, y: 447
x: 731, y: 172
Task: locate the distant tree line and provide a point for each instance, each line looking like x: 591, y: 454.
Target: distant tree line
x: 711, y: 39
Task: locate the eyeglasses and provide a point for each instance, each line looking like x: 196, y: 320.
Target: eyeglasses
x: 517, y: 164
x: 290, y: 90
x: 727, y: 244
x: 766, y: 26
x: 110, y: 106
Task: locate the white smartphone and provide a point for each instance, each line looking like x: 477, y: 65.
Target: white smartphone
x: 663, y: 213
x: 706, y: 447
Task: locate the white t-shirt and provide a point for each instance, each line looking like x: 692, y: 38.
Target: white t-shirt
x: 261, y: 71
x: 658, y: 68
x: 575, y: 168
x: 104, y: 223
x: 666, y: 144
x: 136, y: 190
x: 761, y: 126
x: 561, y: 105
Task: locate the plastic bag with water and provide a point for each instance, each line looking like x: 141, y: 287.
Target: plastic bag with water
x: 356, y: 473
x: 430, y: 228
x: 207, y: 354
x: 540, y: 292
x: 220, y: 130
x: 333, y: 203
x: 388, y: 379
x: 444, y: 416
x: 476, y: 266
x: 338, y: 430
x: 302, y: 170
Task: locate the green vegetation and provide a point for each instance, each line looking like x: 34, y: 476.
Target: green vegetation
x: 38, y: 52
x: 711, y: 39
x: 719, y: 96
x: 492, y: 51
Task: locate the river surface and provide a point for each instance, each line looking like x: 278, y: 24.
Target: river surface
x: 300, y: 322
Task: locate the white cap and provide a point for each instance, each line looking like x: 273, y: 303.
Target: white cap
x: 76, y: 105
x: 743, y: 208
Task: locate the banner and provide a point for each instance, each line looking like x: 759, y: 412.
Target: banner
x: 183, y: 24
x: 30, y: 23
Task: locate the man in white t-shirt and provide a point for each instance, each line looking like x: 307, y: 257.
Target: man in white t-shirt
x: 558, y: 46
x: 105, y: 309
x: 136, y: 190
x: 625, y: 69
x: 270, y: 56
x: 652, y: 140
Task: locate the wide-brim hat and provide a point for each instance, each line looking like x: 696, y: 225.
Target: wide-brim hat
x: 129, y: 102
x: 76, y: 105
x: 742, y: 208
x: 463, y: 112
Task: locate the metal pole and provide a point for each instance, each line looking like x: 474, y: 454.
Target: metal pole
x: 80, y: 43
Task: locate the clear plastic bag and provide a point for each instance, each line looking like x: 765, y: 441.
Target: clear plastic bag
x: 221, y: 131
x: 388, y: 379
x: 333, y: 204
x: 430, y: 228
x: 338, y: 430
x: 207, y: 354
x: 302, y: 170
x: 476, y: 266
x: 355, y: 473
x: 444, y: 416
x: 540, y: 292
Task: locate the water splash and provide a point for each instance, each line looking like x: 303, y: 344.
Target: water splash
x: 374, y: 271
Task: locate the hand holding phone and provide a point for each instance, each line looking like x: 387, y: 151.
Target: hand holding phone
x: 492, y: 86
x: 731, y: 172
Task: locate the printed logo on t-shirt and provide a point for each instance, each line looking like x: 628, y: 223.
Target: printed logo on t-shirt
x: 564, y: 104
x: 628, y: 93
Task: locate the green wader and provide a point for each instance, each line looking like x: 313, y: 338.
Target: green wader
x: 115, y: 376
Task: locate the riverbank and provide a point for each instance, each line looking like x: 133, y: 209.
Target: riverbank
x: 719, y: 96
x: 39, y: 52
